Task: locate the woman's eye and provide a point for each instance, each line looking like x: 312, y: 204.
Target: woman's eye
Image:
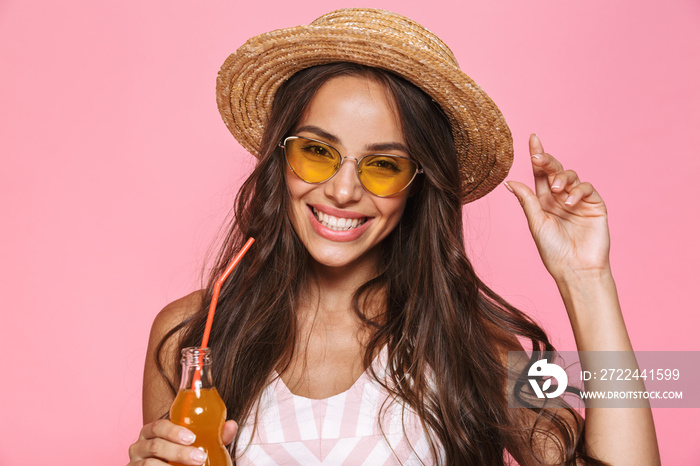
x: 385, y: 164
x: 318, y: 150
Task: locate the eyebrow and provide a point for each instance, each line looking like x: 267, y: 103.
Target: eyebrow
x: 378, y: 147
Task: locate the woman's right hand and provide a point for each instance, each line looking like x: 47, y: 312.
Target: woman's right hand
x: 162, y: 441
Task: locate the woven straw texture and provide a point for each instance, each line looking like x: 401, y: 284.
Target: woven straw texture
x: 250, y: 77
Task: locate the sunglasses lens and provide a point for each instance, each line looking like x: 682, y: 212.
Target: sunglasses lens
x: 312, y: 161
x: 385, y: 175
x: 315, y: 162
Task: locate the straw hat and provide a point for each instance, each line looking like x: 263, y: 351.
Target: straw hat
x: 250, y: 77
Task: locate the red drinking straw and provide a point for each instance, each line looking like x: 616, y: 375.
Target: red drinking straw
x: 212, y: 306
x: 217, y: 289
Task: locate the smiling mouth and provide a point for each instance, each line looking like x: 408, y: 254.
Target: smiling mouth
x: 337, y: 223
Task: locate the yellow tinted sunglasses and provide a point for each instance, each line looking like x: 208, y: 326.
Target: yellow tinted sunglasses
x: 380, y: 174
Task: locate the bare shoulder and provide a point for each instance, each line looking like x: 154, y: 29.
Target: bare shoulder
x: 157, y: 392
x: 177, y: 311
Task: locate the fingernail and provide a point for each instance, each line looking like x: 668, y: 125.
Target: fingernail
x: 569, y: 200
x: 187, y: 437
x: 508, y: 187
x: 536, y: 156
x: 556, y: 184
x: 198, y: 455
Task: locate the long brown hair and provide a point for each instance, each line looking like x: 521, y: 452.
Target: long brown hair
x: 437, y: 313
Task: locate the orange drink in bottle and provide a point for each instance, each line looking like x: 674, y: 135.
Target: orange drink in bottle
x: 199, y: 407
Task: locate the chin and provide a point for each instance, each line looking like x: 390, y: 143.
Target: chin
x: 337, y: 257
x: 333, y: 258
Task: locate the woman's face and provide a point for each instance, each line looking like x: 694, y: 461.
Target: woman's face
x: 357, y: 117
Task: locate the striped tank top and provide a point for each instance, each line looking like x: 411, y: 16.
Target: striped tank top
x: 344, y: 429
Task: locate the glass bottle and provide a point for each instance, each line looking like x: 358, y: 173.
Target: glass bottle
x: 199, y: 407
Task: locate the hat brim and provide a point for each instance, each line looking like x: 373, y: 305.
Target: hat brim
x: 250, y: 77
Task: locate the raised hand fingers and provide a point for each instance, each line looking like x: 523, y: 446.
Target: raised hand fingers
x: 550, y: 176
x: 165, y: 441
x: 544, y: 166
x: 564, y: 181
x: 583, y: 191
x: 535, y: 145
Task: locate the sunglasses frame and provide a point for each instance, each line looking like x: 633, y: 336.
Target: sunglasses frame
x: 283, y: 145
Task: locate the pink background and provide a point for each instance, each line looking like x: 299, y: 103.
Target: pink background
x: 117, y: 171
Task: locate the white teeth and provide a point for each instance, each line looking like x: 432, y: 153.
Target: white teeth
x: 336, y: 223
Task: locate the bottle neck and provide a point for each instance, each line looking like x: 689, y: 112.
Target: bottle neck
x: 196, y: 369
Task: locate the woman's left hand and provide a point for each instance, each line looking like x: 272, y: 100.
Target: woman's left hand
x: 567, y: 218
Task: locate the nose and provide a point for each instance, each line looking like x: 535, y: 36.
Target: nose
x: 345, y: 187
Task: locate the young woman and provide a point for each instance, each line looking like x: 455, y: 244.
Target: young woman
x: 355, y: 331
